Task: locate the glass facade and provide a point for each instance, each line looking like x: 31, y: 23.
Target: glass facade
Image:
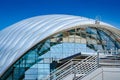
x: 35, y: 64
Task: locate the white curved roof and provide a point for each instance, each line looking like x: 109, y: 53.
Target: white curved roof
x: 20, y: 37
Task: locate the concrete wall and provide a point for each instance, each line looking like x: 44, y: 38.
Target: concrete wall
x: 104, y: 74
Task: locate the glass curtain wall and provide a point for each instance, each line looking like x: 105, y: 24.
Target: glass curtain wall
x: 35, y: 64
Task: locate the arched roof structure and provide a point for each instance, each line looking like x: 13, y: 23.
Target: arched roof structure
x: 17, y: 39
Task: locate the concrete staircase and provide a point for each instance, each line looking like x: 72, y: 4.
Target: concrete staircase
x: 74, y: 70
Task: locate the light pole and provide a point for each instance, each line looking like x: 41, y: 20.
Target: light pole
x: 98, y: 58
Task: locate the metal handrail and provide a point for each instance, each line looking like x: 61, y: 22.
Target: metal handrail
x: 69, y: 68
x: 77, y: 65
x: 68, y: 63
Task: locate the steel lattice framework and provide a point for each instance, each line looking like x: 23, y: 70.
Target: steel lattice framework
x: 17, y: 39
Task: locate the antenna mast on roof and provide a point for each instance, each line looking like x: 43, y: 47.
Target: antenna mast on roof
x: 97, y: 20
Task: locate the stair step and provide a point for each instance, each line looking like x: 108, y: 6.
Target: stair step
x: 74, y: 70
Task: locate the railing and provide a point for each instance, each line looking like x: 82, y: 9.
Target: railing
x: 82, y: 67
x: 62, y: 68
x: 86, y: 67
x: 65, y: 64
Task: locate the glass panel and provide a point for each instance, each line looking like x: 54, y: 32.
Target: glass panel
x: 35, y: 64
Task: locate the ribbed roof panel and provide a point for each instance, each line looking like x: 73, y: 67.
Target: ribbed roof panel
x: 20, y: 37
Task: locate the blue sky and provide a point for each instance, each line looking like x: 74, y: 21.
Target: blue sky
x: 12, y: 11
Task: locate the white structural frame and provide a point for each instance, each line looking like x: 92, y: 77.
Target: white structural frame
x: 17, y: 39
